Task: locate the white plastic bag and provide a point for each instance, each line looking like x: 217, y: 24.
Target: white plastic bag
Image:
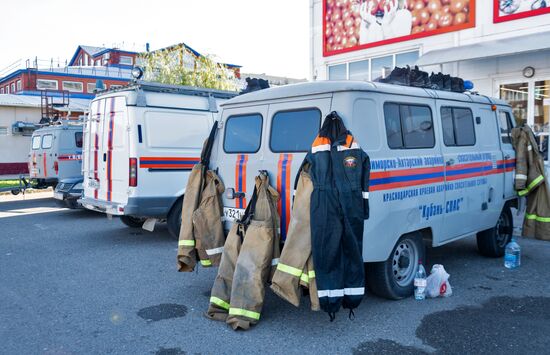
x: 438, y: 282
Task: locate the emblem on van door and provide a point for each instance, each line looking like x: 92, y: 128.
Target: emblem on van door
x: 350, y: 162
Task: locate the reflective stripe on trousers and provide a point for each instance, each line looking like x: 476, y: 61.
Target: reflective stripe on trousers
x: 355, y: 291
x: 219, y: 302
x: 537, y: 218
x: 186, y: 243
x: 244, y: 312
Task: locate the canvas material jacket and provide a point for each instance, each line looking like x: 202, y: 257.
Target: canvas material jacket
x: 531, y: 182
x: 295, y: 267
x: 248, y: 258
x: 201, y: 235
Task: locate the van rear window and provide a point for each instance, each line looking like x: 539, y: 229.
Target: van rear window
x: 243, y: 133
x: 78, y: 139
x: 294, y: 131
x: 36, y: 142
x: 47, y: 140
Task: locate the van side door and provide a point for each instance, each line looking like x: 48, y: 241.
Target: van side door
x: 467, y: 162
x: 508, y: 163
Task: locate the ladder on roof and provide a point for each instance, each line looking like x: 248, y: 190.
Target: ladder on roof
x: 50, y: 100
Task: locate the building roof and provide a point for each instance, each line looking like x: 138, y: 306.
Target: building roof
x: 487, y: 49
x: 329, y: 87
x: 11, y: 100
x: 96, y: 51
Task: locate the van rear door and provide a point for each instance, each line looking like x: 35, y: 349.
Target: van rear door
x: 33, y: 156
x: 243, y: 154
x: 113, y: 152
x: 508, y: 164
x: 107, y: 158
x: 291, y: 129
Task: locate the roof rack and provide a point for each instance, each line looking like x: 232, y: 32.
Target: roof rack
x: 173, y: 89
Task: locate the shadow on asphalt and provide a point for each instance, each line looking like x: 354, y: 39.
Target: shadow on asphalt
x: 501, y: 325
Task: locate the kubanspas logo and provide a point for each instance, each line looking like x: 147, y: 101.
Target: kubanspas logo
x: 350, y: 162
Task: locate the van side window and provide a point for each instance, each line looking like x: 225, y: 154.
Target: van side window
x: 505, y: 127
x: 294, y: 131
x: 78, y: 139
x: 409, y: 126
x: 35, y: 142
x: 47, y: 140
x: 243, y: 133
x: 458, y: 126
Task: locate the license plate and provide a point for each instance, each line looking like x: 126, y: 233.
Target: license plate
x: 58, y: 195
x: 232, y: 214
x: 94, y: 184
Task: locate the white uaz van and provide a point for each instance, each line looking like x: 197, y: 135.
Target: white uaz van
x: 56, y: 153
x: 442, y: 165
x: 140, y: 144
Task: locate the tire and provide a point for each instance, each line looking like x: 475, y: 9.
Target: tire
x: 15, y: 192
x: 132, y: 222
x: 492, y: 242
x: 394, y: 278
x: 174, y: 219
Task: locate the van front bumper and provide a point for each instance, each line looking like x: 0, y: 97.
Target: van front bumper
x: 148, y: 207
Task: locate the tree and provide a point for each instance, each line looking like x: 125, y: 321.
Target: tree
x: 177, y: 65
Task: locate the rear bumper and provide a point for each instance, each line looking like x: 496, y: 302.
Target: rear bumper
x: 149, y: 207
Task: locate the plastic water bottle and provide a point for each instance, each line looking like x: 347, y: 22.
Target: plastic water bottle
x: 512, y: 256
x: 420, y: 282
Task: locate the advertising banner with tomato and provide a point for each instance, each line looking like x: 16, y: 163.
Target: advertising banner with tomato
x: 506, y: 10
x: 350, y: 25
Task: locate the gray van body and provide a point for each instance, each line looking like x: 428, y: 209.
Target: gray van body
x: 56, y: 153
x: 445, y: 191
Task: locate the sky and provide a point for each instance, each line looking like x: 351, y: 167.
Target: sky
x: 269, y: 37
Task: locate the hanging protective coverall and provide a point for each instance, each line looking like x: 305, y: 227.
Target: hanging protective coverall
x: 250, y: 254
x: 295, y: 267
x: 340, y: 172
x: 530, y: 181
x: 201, y: 232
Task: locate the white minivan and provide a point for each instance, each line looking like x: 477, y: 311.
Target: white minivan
x: 140, y: 144
x: 442, y: 165
x: 56, y: 153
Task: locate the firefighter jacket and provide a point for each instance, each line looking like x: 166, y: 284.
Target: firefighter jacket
x: 201, y: 232
x: 340, y: 172
x: 250, y: 253
x: 295, y: 267
x: 530, y: 181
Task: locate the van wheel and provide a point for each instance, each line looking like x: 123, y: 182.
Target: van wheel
x: 132, y: 222
x: 174, y: 219
x: 394, y: 278
x: 492, y: 242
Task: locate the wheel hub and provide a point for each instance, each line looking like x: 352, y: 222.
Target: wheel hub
x: 404, y: 261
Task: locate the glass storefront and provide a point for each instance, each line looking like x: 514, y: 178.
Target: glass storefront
x: 372, y: 68
x: 530, y: 103
x: 517, y: 95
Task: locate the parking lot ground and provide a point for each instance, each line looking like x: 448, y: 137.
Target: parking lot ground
x: 75, y: 282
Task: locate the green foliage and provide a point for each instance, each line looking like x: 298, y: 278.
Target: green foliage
x: 9, y: 183
x: 178, y: 66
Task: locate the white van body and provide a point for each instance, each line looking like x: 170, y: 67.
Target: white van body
x: 56, y: 153
x: 156, y: 130
x: 438, y: 191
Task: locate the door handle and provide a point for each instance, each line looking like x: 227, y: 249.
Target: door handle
x: 507, y: 156
x: 104, y: 156
x: 450, y: 162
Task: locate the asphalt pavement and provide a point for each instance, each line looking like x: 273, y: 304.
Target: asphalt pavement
x: 75, y: 282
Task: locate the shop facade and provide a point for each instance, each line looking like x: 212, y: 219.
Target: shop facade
x: 503, y: 47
